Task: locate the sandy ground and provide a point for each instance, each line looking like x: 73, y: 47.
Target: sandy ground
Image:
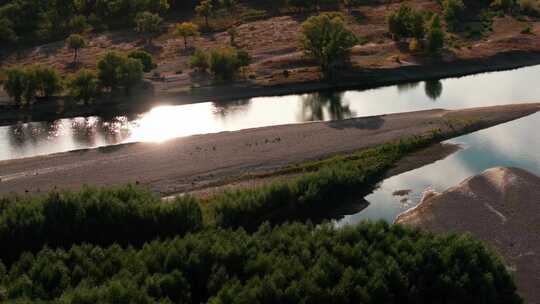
x: 500, y: 206
x: 201, y: 161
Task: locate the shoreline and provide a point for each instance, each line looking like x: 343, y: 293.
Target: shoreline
x: 200, y: 161
x: 361, y: 79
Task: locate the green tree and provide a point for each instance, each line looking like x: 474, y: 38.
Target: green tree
x: 453, y: 11
x: 405, y: 23
x: 145, y: 58
x: 83, y: 85
x: 15, y: 83
x: 327, y: 39
x: 224, y: 62
x: 185, y: 30
x: 435, y: 35
x: 229, y: 5
x: 7, y: 34
x: 78, y: 24
x: 108, y: 66
x: 76, y: 42
x: 233, y: 33
x: 130, y: 73
x: 199, y: 60
x: 148, y: 24
x: 204, y: 9
x: 48, y: 79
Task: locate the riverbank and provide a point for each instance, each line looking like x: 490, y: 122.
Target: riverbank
x: 201, y: 161
x: 361, y: 79
x: 499, y: 206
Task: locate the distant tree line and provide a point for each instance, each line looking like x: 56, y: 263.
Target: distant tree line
x: 114, y: 71
x: 293, y: 263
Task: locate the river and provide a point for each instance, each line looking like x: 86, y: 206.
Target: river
x: 513, y: 144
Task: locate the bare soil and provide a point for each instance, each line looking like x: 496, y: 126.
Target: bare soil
x: 501, y: 207
x: 196, y: 162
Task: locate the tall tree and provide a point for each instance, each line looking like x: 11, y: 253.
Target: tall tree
x: 76, y: 42
x: 185, y: 30
x: 204, y: 9
x: 148, y: 24
x: 326, y: 38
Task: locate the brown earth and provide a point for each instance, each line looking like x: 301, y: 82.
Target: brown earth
x: 501, y: 207
x: 274, y: 44
x: 195, y: 162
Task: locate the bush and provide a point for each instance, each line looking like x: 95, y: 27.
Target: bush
x: 406, y: 23
x: 15, y: 83
x: 453, y: 12
x: 199, y: 60
x: 327, y: 39
x: 148, y: 24
x: 24, y: 84
x: 83, y: 86
x: 49, y: 82
x: 224, y: 63
x: 126, y: 216
x: 295, y: 263
x: 435, y: 35
x: 116, y: 70
x: 145, y: 58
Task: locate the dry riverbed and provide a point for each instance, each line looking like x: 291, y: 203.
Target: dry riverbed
x: 202, y: 161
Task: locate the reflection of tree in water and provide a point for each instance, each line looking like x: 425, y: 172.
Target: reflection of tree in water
x: 224, y: 108
x: 34, y: 132
x: 89, y: 130
x: 317, y: 106
x: 404, y: 87
x: 433, y: 89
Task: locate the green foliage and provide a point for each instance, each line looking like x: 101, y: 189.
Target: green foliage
x: 79, y: 24
x: 435, y: 35
x: 126, y: 215
x: 199, y: 60
x: 530, y: 7
x: 116, y: 70
x: 76, y: 42
x: 15, y: 83
x: 186, y: 30
x: 145, y: 58
x: 327, y: 39
x: 24, y: 84
x: 225, y: 62
x: 229, y: 5
x: 7, y: 34
x: 83, y: 86
x: 453, y: 12
x: 148, y: 24
x: 406, y: 23
x: 204, y: 9
x: 295, y: 263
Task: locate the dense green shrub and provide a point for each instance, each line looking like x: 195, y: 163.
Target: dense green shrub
x: 76, y: 42
x: 224, y: 63
x: 327, y: 39
x: 435, y: 35
x: 406, y: 22
x: 124, y: 215
x: 145, y: 58
x: 83, y: 86
x: 24, y: 84
x: 453, y: 12
x: 199, y: 60
x: 148, y: 24
x: 116, y: 70
x: 296, y: 263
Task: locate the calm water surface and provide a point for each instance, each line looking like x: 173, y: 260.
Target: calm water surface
x: 513, y: 144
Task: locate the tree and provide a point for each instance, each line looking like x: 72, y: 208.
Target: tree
x: 453, y: 11
x: 435, y: 35
x: 148, y: 24
x: 78, y: 24
x: 14, y: 85
x: 204, y: 9
x: 108, y: 70
x: 130, y: 73
x: 349, y: 4
x: 229, y: 5
x: 233, y: 33
x: 199, y: 60
x: 145, y: 58
x: 83, y: 85
x: 224, y: 62
x: 187, y: 29
x: 48, y: 80
x: 7, y: 34
x: 326, y: 38
x: 76, y: 42
x: 406, y: 22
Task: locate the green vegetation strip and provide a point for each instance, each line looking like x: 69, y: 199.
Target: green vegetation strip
x: 293, y: 263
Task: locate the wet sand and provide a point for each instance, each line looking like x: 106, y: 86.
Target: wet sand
x: 201, y: 161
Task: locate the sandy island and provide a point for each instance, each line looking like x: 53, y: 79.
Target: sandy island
x: 501, y: 207
x: 201, y: 161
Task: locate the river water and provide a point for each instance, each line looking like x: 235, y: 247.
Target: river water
x: 513, y: 144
